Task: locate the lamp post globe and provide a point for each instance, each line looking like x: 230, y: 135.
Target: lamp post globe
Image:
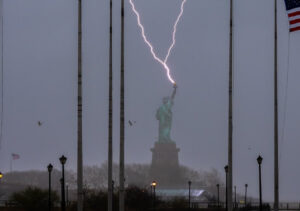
x: 63, y: 160
x: 50, y: 167
x: 259, y: 159
x: 1, y: 175
x: 226, y: 168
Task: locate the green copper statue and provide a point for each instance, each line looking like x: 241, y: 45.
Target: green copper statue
x: 164, y: 116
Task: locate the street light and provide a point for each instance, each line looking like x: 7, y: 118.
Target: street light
x: 67, y: 195
x: 218, y: 188
x: 1, y: 175
x: 235, y: 197
x: 49, y: 167
x: 63, y: 160
x: 226, y: 172
x: 259, y: 161
x: 246, y: 186
x: 153, y: 184
x: 190, y: 183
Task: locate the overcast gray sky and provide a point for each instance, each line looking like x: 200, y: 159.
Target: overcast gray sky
x: 40, y: 75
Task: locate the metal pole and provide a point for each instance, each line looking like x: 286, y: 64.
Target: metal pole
x: 276, y: 171
x: 63, y: 202
x: 260, y: 192
x: 154, y: 197
x: 49, y: 199
x: 226, y: 195
x: 67, y: 195
x: 79, y: 114
x: 2, y: 70
x: 246, y: 186
x: 230, y: 115
x: 122, y: 115
x: 110, y: 116
x: 235, y: 197
x: 190, y: 194
x: 218, y: 187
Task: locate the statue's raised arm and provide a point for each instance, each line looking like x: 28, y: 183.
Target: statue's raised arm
x: 174, y: 92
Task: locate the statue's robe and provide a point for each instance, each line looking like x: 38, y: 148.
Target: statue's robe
x: 164, y: 115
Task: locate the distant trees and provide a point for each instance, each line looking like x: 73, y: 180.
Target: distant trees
x: 95, y: 178
x: 33, y: 199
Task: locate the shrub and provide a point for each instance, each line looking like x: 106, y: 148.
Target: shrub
x: 34, y: 199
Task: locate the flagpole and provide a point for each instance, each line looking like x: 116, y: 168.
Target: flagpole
x: 276, y: 169
x: 230, y: 115
x: 2, y: 73
x: 110, y: 116
x: 122, y: 116
x: 10, y: 164
x: 79, y: 114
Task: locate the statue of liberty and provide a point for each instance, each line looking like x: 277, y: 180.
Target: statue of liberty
x: 164, y: 116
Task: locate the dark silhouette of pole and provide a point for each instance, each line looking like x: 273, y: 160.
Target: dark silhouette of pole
x: 154, y: 197
x: 190, y: 183
x: 67, y: 195
x: 235, y: 197
x: 49, y: 167
x: 259, y: 161
x: 276, y: 171
x: 246, y: 186
x: 226, y: 195
x: 230, y: 113
x: 63, y: 160
x: 79, y: 114
x: 110, y: 116
x: 153, y: 185
x: 218, y: 199
x: 151, y: 192
x: 122, y: 116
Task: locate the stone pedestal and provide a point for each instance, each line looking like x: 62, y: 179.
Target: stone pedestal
x: 165, y: 165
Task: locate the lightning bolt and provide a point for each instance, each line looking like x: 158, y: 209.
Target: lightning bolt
x: 163, y: 62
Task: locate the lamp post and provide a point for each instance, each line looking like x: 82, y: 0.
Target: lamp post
x: 1, y: 175
x: 226, y: 197
x: 190, y: 183
x: 234, y: 197
x: 153, y: 184
x: 63, y: 160
x: 259, y: 161
x: 218, y: 188
x: 246, y: 186
x: 67, y: 195
x: 50, y: 167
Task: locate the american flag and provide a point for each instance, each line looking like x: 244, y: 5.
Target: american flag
x: 293, y: 11
x: 15, y: 156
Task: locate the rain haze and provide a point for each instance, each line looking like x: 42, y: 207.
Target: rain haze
x: 40, y: 84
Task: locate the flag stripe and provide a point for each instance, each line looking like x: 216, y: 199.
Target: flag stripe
x: 295, y: 25
x: 295, y: 21
x: 294, y: 13
x: 295, y: 29
x: 294, y: 17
